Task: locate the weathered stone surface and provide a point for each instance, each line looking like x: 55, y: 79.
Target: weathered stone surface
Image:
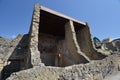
x: 34, y: 31
x: 72, y: 44
x: 95, y: 70
x: 7, y: 47
x: 14, y: 53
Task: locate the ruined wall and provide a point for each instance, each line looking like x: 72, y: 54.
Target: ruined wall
x: 61, y: 51
x: 95, y: 70
x: 54, y: 51
x: 79, y: 47
x: 1, y: 67
x: 34, y: 54
x: 72, y: 45
x: 47, y: 47
x: 85, y: 42
x: 15, y: 55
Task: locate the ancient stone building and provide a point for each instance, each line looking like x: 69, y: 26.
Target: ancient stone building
x: 56, y: 40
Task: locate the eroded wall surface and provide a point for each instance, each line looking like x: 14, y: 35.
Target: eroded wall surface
x: 72, y: 45
x: 47, y: 46
x: 84, y: 39
x: 34, y: 55
x: 95, y: 70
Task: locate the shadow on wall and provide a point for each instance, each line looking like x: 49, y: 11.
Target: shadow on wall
x: 18, y: 59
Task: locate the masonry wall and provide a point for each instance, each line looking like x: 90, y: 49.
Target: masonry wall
x: 48, y: 47
x: 95, y: 70
x: 79, y: 47
x: 61, y: 51
x: 1, y: 68
x: 34, y: 54
x: 15, y: 59
x: 75, y: 54
x: 84, y: 39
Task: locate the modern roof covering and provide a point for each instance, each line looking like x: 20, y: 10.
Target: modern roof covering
x: 52, y: 22
x: 60, y: 15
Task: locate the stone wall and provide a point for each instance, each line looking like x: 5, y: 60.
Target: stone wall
x: 62, y: 51
x: 34, y: 54
x: 84, y: 38
x: 78, y: 43
x: 1, y: 67
x: 95, y: 70
x: 15, y: 55
x: 47, y: 46
x: 72, y: 45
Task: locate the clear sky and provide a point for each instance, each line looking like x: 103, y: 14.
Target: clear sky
x: 103, y: 16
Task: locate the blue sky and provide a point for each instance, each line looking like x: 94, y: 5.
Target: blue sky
x: 103, y: 16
